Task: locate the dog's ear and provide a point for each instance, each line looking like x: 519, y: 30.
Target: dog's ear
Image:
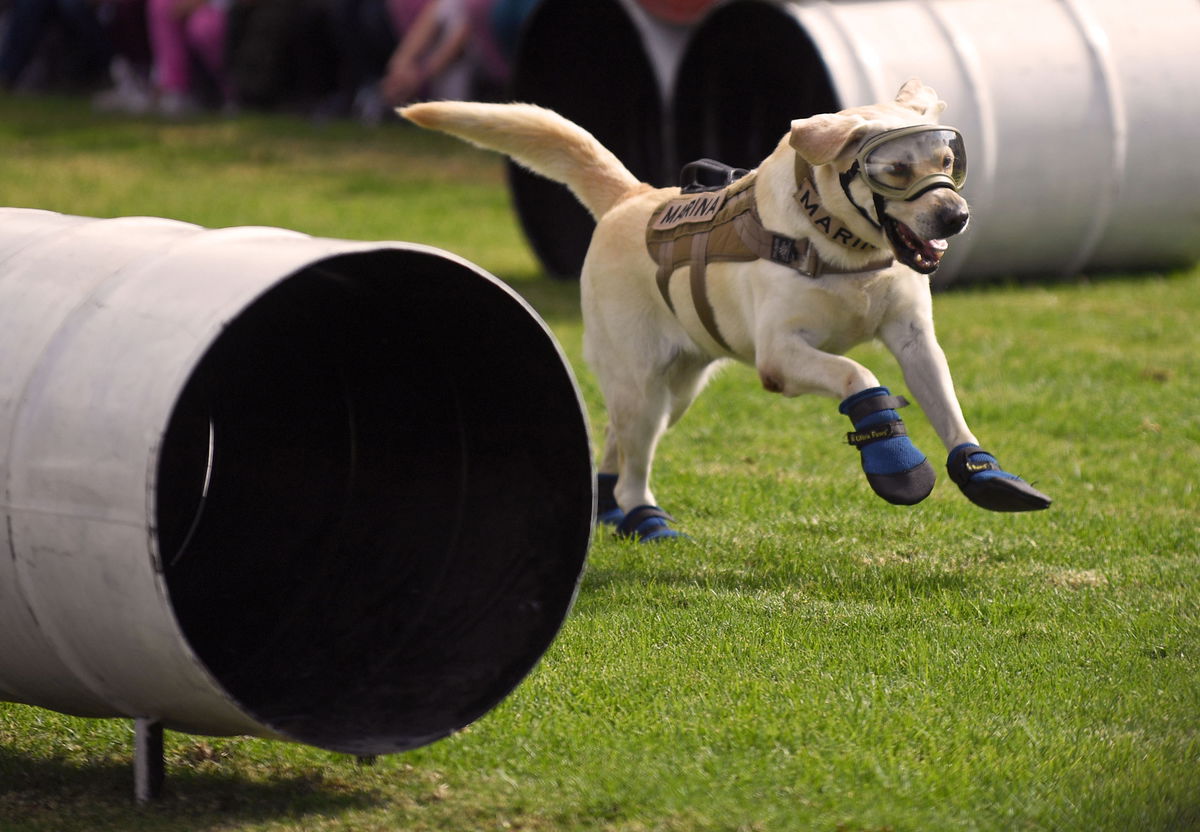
x: 824, y: 138
x: 921, y: 99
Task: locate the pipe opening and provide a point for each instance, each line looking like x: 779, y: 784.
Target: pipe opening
x: 571, y: 59
x: 373, y: 501
x: 750, y: 69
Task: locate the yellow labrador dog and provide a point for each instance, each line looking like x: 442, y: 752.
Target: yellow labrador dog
x: 827, y: 244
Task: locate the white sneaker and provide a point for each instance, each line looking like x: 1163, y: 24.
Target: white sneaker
x: 130, y: 92
x: 177, y: 105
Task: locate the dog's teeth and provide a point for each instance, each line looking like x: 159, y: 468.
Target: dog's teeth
x: 939, y: 245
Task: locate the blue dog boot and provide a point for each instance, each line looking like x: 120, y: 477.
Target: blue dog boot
x: 646, y: 524
x: 895, y: 468
x: 607, y: 510
x: 986, y: 484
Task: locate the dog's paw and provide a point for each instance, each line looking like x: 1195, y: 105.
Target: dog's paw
x: 977, y: 473
x: 646, y: 524
x: 896, y: 469
x: 612, y: 517
x: 907, y: 488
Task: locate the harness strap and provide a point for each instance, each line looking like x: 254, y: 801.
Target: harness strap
x: 664, y: 255
x: 771, y: 246
x: 704, y: 307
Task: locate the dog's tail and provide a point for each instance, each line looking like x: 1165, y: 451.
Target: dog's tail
x: 538, y: 139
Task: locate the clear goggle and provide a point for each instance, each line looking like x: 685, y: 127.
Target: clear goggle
x: 906, y: 162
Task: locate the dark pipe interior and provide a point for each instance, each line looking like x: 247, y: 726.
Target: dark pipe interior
x: 586, y: 61
x: 374, y: 501
x: 748, y: 70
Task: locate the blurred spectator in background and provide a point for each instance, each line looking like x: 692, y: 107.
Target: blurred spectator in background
x: 281, y: 53
x: 129, y: 70
x: 401, y: 50
x: 454, y: 50
x: 508, y: 19
x: 355, y: 57
x: 85, y: 45
x: 495, y: 30
x: 185, y: 33
x: 367, y: 33
x: 431, y: 60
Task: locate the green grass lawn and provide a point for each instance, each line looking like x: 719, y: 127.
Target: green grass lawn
x: 815, y: 659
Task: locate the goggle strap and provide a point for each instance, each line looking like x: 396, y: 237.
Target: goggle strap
x: 880, y: 207
x: 847, y: 178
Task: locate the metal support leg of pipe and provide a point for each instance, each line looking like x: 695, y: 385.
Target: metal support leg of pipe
x: 149, y: 770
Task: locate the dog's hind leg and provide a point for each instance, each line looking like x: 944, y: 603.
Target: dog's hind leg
x: 683, y: 390
x: 686, y: 377
x: 608, y: 511
x: 640, y: 413
x: 638, y: 419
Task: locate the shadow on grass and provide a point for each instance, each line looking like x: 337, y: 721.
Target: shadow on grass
x: 554, y: 300
x: 881, y: 584
x: 37, y: 793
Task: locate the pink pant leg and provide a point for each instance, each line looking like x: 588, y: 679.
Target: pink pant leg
x: 168, y: 42
x: 206, y: 35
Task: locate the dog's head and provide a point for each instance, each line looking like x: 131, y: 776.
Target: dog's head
x: 891, y: 164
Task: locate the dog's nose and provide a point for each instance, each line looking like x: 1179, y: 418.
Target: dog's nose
x: 953, y: 218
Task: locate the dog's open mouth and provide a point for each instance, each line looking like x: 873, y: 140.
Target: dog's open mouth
x: 920, y: 255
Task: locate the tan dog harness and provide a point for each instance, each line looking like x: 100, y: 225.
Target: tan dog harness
x: 724, y: 226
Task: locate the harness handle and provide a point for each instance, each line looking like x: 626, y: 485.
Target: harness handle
x: 708, y: 175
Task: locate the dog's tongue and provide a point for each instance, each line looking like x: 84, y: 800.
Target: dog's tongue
x: 928, y: 252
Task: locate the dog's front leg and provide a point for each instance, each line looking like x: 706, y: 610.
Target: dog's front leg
x: 927, y: 373
x: 895, y: 468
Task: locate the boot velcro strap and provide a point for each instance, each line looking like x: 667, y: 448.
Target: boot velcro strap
x: 639, y: 515
x: 961, y: 469
x: 875, y: 404
x: 877, y: 433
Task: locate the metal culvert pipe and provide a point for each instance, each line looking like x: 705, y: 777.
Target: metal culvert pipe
x: 254, y: 482
x: 609, y: 66
x: 1079, y: 115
